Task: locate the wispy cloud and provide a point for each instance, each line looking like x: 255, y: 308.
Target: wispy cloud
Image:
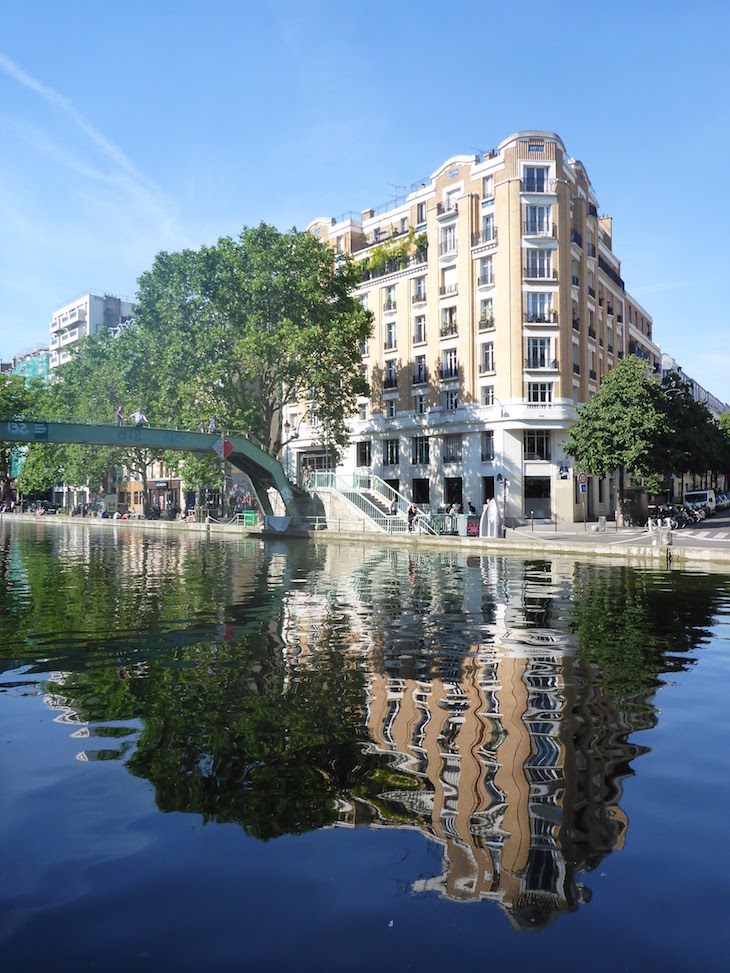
x: 137, y: 185
x: 662, y: 287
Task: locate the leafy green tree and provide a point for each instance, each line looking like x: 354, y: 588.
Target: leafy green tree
x: 623, y: 426
x: 255, y: 324
x: 18, y: 399
x: 692, y: 441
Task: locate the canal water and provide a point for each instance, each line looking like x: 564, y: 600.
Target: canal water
x: 237, y: 755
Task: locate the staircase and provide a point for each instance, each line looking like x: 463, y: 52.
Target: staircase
x: 373, y: 497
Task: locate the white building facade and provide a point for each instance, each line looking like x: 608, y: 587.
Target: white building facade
x: 82, y: 317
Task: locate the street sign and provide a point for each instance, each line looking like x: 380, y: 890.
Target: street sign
x: 582, y: 479
x: 583, y: 488
x: 223, y: 447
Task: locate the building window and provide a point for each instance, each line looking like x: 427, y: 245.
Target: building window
x: 486, y: 272
x: 486, y: 357
x: 389, y: 302
x: 419, y: 404
x: 364, y: 301
x: 540, y: 392
x: 363, y: 411
x: 390, y: 377
x: 452, y: 449
x: 488, y: 231
x: 419, y: 334
x: 536, y: 443
x: 540, y: 307
x: 391, y: 455
x: 448, y: 239
x: 450, y: 367
x: 419, y: 450
x: 537, y: 220
x: 419, y: 370
x: 364, y: 454
x: 486, y: 314
x: 450, y: 400
x: 390, y: 408
x: 535, y: 179
x: 419, y: 289
x: 390, y: 335
x: 364, y: 347
x: 538, y: 263
x: 448, y: 281
x: 448, y: 321
x: 488, y: 187
x: 538, y: 352
x: 487, y: 445
x: 420, y: 213
x: 487, y: 395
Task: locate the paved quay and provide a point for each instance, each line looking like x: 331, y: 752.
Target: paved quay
x: 706, y: 544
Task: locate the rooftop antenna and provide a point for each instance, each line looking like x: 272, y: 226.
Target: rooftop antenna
x: 480, y: 152
x: 396, y: 186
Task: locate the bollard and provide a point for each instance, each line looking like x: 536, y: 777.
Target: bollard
x: 532, y: 521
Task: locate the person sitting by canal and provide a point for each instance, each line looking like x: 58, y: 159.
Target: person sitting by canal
x: 119, y: 416
x: 394, y: 506
x: 139, y: 418
x: 412, y: 513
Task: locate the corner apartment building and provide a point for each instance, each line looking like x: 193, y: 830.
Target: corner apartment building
x: 83, y: 317
x: 498, y: 305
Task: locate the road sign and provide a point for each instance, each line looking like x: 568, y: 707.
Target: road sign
x: 583, y: 488
x: 582, y: 479
x: 223, y: 447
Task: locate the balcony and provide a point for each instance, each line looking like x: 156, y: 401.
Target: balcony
x: 592, y: 292
x: 576, y: 238
x: 575, y: 281
x: 388, y: 306
x: 449, y: 373
x: 609, y: 310
x: 543, y: 228
x: 576, y: 368
x: 609, y: 348
x: 420, y: 378
x: 55, y: 326
x: 543, y: 454
x: 549, y: 316
x: 540, y: 273
x: 576, y: 324
x: 591, y: 332
x: 485, y: 237
x: 419, y: 298
x: 538, y: 185
x: 541, y: 363
x: 390, y: 382
x: 592, y: 211
x: 620, y: 318
x: 448, y: 329
x: 419, y: 338
x: 485, y: 280
x: 486, y: 367
x: 78, y: 314
x: 389, y: 344
x: 486, y: 323
x: 592, y: 373
x: 591, y: 250
x: 447, y: 249
x: 54, y: 342
x: 449, y: 208
x: 448, y: 290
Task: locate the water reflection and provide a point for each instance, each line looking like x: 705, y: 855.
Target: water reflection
x: 488, y: 702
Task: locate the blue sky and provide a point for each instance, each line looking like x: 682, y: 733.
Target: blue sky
x: 126, y: 129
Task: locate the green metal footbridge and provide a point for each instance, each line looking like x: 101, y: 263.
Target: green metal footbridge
x: 262, y: 469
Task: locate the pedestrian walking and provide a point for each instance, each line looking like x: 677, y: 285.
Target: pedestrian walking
x: 412, y: 513
x: 211, y: 425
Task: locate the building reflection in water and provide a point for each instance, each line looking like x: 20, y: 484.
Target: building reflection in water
x: 503, y: 751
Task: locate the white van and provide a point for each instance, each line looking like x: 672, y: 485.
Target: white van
x: 701, y: 498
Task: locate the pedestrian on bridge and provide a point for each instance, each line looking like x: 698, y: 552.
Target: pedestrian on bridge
x: 211, y: 426
x: 119, y: 416
x: 139, y: 418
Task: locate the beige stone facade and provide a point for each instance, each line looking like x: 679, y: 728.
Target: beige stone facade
x: 498, y: 304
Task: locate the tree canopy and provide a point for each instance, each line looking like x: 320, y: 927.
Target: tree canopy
x: 650, y: 428
x: 246, y: 327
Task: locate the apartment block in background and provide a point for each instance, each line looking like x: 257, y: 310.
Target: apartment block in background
x: 83, y: 317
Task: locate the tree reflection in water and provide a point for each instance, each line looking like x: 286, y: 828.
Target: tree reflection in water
x: 310, y: 686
